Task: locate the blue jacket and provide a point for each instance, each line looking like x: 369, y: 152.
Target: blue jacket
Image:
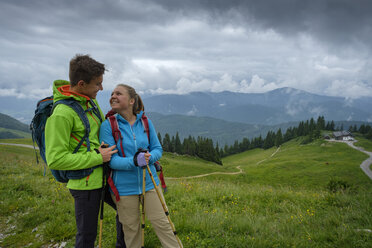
x: 126, y: 176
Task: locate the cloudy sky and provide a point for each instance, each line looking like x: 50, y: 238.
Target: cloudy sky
x: 171, y: 46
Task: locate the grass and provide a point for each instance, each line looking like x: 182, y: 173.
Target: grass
x: 16, y: 132
x: 279, y: 201
x: 182, y: 166
x: 27, y: 141
x: 366, y: 144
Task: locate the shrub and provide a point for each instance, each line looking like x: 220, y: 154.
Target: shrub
x: 337, y: 185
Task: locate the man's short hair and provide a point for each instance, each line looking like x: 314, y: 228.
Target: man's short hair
x: 83, y: 67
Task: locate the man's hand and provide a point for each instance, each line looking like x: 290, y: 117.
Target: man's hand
x: 106, y: 151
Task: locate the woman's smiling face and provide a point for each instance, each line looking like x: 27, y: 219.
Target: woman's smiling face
x: 120, y: 99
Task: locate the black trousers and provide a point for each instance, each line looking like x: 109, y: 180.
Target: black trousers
x: 87, y: 204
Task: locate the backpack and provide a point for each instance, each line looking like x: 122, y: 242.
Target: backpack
x: 44, y: 109
x: 116, y: 134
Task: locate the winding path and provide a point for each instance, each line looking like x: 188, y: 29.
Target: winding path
x: 272, y: 155
x: 208, y: 174
x: 221, y: 173
x: 23, y: 145
x: 364, y: 165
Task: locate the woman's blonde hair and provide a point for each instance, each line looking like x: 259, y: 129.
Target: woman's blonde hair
x: 138, y: 104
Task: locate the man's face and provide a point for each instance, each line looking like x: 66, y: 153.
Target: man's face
x: 93, y: 87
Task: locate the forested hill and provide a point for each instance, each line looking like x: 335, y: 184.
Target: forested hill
x: 10, y: 123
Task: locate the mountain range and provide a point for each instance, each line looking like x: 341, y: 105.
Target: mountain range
x: 223, y: 132
x: 270, y: 108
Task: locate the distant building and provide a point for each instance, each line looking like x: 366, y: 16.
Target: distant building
x: 343, y: 135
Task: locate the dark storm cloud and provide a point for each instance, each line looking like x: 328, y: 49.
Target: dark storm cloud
x: 179, y: 46
x: 333, y: 21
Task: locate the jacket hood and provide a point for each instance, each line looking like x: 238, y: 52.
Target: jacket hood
x: 62, y: 90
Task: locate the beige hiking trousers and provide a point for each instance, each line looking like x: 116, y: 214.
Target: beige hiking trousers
x: 129, y: 215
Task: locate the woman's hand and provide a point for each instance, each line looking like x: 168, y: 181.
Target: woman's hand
x: 141, y: 158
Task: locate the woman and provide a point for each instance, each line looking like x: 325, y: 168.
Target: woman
x: 127, y: 171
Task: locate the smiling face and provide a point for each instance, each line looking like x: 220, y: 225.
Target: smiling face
x: 120, y: 100
x: 91, y: 89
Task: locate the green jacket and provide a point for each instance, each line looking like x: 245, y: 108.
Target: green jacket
x: 63, y: 131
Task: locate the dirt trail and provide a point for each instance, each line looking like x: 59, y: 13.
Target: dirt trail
x: 208, y: 174
x: 272, y: 155
x: 22, y: 145
x: 240, y: 170
x: 220, y: 173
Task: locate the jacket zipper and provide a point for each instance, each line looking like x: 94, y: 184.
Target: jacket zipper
x: 138, y: 169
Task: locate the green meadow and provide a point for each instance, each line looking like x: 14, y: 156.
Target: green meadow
x: 364, y: 143
x: 17, y: 133
x: 312, y: 195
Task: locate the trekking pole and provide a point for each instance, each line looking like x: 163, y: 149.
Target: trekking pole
x: 102, y: 204
x: 101, y: 221
x: 164, y: 206
x: 143, y: 206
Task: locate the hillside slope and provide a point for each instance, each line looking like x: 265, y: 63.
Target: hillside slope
x: 9, y: 122
x: 281, y: 200
x: 11, y: 128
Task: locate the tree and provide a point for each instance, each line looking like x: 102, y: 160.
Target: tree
x: 301, y: 129
x: 316, y: 133
x: 278, y: 138
x: 320, y: 123
x: 226, y: 150
x: 160, y: 140
x: 172, y: 147
x: 362, y: 129
x: 332, y: 126
x: 245, y: 145
x: 189, y: 146
x: 177, y: 144
x: 235, y: 148
x: 166, y: 143
x: 369, y: 134
x: 218, y: 150
x: 269, y: 140
x: 312, y: 125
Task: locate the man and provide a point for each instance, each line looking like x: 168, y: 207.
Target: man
x: 63, y: 132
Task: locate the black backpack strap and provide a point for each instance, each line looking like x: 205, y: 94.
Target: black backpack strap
x: 83, y: 116
x: 94, y: 109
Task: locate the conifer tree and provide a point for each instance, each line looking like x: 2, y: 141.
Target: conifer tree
x: 166, y: 143
x: 332, y: 126
x: 369, y: 134
x: 177, y: 144
x: 245, y: 145
x: 235, y: 148
x: 320, y: 123
x: 269, y: 140
x: 226, y: 150
x: 278, y: 138
x: 312, y: 125
x: 160, y: 140
x: 172, y: 146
